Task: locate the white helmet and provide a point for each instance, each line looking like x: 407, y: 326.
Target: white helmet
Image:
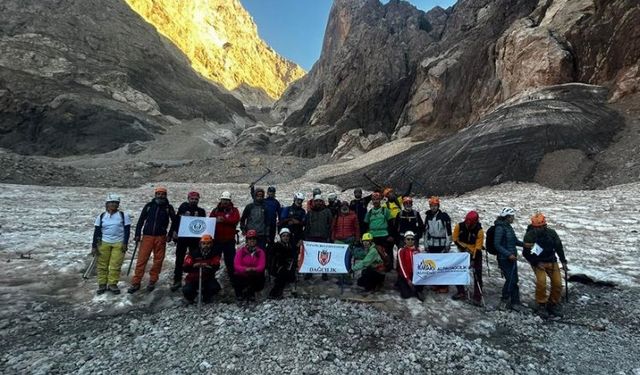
x: 284, y: 230
x: 225, y: 195
x: 507, y: 211
x: 318, y: 197
x: 408, y: 234
x: 298, y: 195
x: 332, y: 196
x: 112, y: 197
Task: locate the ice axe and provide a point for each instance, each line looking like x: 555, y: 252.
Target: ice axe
x: 87, y: 273
x: 566, y: 284
x: 261, y: 177
x: 133, y: 256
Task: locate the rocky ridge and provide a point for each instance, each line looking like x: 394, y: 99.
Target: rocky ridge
x: 221, y: 40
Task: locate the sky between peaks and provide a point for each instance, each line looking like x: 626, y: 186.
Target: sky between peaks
x: 295, y: 28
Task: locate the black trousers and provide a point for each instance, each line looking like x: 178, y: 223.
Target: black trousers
x: 370, y: 279
x: 227, y: 250
x: 476, y: 264
x: 210, y: 287
x: 250, y: 283
x: 405, y: 289
x: 182, y: 246
x: 283, y: 277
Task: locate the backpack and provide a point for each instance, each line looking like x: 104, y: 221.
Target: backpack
x: 489, y: 244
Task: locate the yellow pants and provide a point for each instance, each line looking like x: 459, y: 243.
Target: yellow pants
x: 109, y: 263
x: 542, y: 270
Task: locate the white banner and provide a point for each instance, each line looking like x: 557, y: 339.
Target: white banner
x: 441, y: 269
x: 196, y: 226
x: 319, y: 257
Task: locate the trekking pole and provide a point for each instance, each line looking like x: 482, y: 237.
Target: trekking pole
x: 133, y: 255
x: 487, y: 260
x: 200, y: 288
x: 87, y: 273
x: 566, y: 285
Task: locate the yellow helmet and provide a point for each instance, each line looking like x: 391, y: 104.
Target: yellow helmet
x: 367, y: 237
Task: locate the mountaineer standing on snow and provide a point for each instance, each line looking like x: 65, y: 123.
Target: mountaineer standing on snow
x: 227, y: 219
x: 110, y: 242
x: 541, y: 245
x: 273, y: 208
x: 152, y: 229
x: 437, y: 233
x: 188, y: 208
x: 469, y: 236
x: 505, y: 242
x: 255, y: 217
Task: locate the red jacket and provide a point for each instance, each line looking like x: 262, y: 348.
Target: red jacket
x: 405, y: 262
x: 345, y: 226
x: 193, y: 272
x: 226, y: 230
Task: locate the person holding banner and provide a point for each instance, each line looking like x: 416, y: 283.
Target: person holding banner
x: 153, y: 224
x: 227, y: 219
x: 378, y: 219
x: 372, y: 266
x: 505, y: 242
x: 469, y: 236
x: 110, y: 242
x: 188, y: 208
x: 249, y: 265
x: 438, y: 233
x: 541, y: 245
x: 202, y: 257
x: 405, y: 268
x: 284, y: 262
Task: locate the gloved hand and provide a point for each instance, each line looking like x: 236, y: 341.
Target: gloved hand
x: 513, y: 258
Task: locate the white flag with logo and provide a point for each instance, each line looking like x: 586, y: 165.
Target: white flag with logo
x: 318, y: 257
x: 196, y: 226
x: 441, y: 269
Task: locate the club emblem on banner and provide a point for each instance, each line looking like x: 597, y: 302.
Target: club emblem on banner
x: 197, y: 226
x: 427, y: 265
x: 324, y: 257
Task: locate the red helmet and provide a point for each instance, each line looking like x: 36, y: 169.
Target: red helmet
x: 434, y: 201
x: 193, y: 194
x: 471, y: 218
x: 251, y: 234
x: 206, y: 238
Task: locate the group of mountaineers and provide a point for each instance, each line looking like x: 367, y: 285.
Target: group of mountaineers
x: 372, y: 233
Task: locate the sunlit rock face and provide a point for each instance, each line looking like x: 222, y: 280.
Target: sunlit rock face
x: 221, y: 40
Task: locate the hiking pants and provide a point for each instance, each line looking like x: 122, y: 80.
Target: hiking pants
x: 388, y: 248
x: 250, y: 283
x: 109, y: 263
x: 182, y: 246
x: 405, y: 289
x: 210, y: 287
x: 542, y: 270
x: 150, y: 244
x: 510, y: 290
x: 370, y: 279
x: 228, y: 251
x: 476, y: 264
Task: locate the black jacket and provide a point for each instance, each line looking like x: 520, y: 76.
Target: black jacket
x: 155, y: 219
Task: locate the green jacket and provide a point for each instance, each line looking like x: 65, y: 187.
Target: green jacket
x: 372, y: 259
x: 378, y: 219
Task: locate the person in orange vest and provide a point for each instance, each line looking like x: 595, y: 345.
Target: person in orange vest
x: 469, y: 236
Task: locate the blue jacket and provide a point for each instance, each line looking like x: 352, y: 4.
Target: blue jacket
x: 505, y: 240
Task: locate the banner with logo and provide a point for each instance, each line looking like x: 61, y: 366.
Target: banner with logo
x: 441, y: 269
x: 318, y: 257
x: 196, y: 226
